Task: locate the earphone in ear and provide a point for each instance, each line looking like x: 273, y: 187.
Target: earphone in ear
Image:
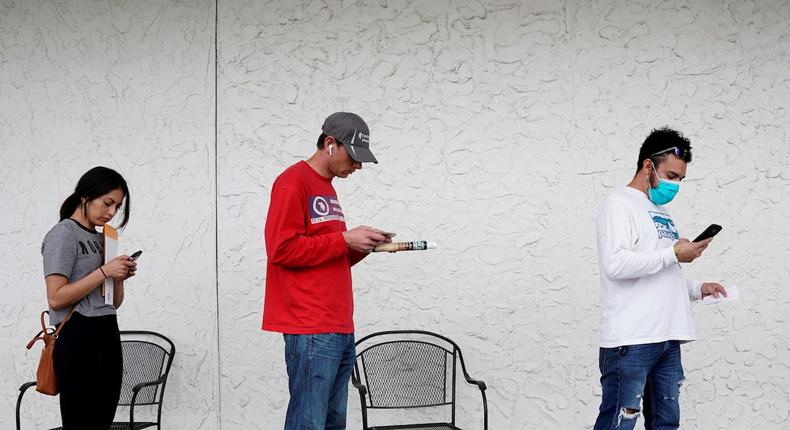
x: 330, y: 149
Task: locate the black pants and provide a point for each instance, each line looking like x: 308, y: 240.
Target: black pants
x: 89, y: 367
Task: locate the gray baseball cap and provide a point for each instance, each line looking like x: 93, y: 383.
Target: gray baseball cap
x: 350, y: 130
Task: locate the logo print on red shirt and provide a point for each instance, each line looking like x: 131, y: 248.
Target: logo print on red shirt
x: 324, y: 208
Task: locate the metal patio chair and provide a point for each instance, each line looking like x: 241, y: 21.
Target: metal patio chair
x: 147, y: 357
x: 402, y: 370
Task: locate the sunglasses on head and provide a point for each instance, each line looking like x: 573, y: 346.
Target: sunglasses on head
x: 683, y: 154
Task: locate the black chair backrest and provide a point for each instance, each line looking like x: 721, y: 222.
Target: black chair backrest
x: 407, y: 373
x: 147, y: 356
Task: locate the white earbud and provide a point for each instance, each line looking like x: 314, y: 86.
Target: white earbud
x: 330, y: 149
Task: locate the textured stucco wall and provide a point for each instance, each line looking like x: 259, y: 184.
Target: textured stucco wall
x: 129, y: 85
x: 500, y: 126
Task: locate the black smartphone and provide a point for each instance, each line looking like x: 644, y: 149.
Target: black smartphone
x: 135, y: 255
x: 709, y: 232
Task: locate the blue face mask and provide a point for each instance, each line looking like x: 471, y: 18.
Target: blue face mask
x: 664, y: 192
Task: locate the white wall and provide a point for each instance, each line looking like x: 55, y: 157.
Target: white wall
x: 499, y: 126
x: 128, y: 85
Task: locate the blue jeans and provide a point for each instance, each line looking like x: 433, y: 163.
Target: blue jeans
x: 319, y: 367
x: 642, y: 379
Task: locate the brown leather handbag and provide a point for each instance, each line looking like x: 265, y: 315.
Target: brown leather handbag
x: 46, y: 382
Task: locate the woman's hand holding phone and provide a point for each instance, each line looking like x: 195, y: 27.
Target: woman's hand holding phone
x: 133, y: 269
x: 120, y: 267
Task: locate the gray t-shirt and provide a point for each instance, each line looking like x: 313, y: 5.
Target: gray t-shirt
x: 71, y: 250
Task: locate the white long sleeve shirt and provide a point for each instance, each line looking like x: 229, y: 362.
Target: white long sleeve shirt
x: 645, y: 297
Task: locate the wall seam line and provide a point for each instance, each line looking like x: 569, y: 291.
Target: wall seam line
x: 216, y: 210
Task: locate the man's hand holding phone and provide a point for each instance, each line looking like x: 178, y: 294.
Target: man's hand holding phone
x: 689, y: 251
x: 364, y: 238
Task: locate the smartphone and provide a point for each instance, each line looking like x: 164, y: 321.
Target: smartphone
x: 709, y: 232
x: 135, y: 255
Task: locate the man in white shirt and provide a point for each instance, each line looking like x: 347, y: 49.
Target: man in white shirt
x: 645, y: 297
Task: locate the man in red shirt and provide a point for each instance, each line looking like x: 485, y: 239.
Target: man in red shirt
x: 308, y: 274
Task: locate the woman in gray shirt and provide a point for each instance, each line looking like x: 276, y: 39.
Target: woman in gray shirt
x: 88, y: 359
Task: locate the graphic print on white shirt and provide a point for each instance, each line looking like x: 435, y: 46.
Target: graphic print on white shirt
x: 664, y: 226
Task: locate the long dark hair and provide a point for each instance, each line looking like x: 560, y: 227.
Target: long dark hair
x: 95, y: 183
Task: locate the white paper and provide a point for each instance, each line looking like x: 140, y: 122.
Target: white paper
x: 110, y: 252
x: 732, y: 294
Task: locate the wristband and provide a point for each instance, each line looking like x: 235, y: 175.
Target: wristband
x: 675, y: 248
x: 105, y: 275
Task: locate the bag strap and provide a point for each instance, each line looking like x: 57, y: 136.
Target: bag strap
x: 60, y: 327
x: 47, y: 331
x: 39, y: 336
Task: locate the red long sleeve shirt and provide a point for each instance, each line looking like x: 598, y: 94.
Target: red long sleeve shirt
x: 308, y: 270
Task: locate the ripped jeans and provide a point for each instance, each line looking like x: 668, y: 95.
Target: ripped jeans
x: 640, y: 380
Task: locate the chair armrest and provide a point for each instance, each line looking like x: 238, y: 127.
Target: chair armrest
x: 135, y: 390
x: 142, y: 385
x: 480, y: 384
x: 363, y: 390
x: 22, y: 390
x: 25, y: 386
